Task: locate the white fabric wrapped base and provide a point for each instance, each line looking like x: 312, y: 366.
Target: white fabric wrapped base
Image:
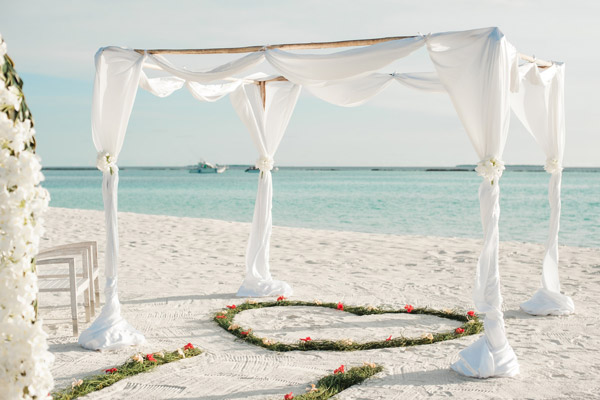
x: 253, y: 288
x: 110, y: 331
x: 481, y: 361
x: 266, y: 123
x: 545, y: 302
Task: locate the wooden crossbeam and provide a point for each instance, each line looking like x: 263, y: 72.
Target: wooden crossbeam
x: 284, y: 46
x: 305, y: 46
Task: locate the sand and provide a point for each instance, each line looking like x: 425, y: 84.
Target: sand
x: 176, y: 272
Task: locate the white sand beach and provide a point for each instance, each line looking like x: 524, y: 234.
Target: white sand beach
x: 176, y: 272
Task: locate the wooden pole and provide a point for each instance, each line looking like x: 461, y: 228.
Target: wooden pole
x: 305, y: 46
x: 263, y: 92
x: 540, y: 63
x: 297, y: 46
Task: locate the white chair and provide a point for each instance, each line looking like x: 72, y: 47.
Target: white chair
x: 89, y: 258
x: 75, y: 284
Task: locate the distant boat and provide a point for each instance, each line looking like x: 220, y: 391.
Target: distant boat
x: 254, y: 169
x: 204, y: 167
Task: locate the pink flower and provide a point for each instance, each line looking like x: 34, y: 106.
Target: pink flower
x: 471, y: 313
x: 340, y: 306
x: 306, y: 339
x: 409, y: 308
x: 459, y: 330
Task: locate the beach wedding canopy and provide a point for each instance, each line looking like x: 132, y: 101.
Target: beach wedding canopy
x: 480, y: 71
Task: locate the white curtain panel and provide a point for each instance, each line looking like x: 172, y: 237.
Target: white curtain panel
x: 475, y: 68
x: 356, y: 91
x: 218, y: 73
x: 162, y: 86
x: 267, y: 126
x: 165, y: 86
x: 316, y: 69
x: 539, y: 104
x: 117, y: 77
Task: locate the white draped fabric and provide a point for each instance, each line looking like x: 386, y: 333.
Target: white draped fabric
x: 356, y: 91
x: 219, y: 73
x: 267, y: 126
x: 539, y: 104
x: 118, y: 74
x: 316, y: 69
x: 475, y: 68
x: 115, y: 87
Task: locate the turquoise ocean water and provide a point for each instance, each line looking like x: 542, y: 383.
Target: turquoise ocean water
x: 398, y: 201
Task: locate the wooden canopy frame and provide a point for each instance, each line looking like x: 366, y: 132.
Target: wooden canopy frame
x: 304, y: 46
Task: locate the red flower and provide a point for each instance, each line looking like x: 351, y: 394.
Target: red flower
x: 339, y: 370
x: 459, y: 330
x: 111, y: 370
x: 232, y: 307
x: 245, y: 333
x: 340, y: 306
x: 389, y: 338
x: 306, y: 339
x: 188, y: 346
x: 408, y: 308
x: 471, y: 313
x: 150, y: 357
x: 281, y: 298
x: 221, y: 316
x: 288, y: 396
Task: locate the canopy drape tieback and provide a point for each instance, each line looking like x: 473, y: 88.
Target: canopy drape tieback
x: 491, y: 169
x: 553, y: 166
x: 264, y: 164
x: 105, y: 162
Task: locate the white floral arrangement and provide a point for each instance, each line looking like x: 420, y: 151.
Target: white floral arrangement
x: 553, y: 166
x: 490, y: 169
x: 24, y: 357
x: 106, y: 162
x: 265, y: 163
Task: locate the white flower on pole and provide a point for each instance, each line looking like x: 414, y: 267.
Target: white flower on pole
x: 24, y: 357
x: 10, y: 97
x: 490, y: 169
x: 106, y: 162
x: 553, y: 166
x: 264, y: 163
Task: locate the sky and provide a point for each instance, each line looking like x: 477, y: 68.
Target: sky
x: 53, y: 44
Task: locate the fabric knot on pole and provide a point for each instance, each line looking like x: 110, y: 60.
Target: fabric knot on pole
x: 265, y: 163
x: 106, y: 162
x: 553, y: 166
x: 490, y: 169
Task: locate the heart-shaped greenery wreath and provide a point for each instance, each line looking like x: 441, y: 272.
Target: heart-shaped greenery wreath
x: 471, y: 326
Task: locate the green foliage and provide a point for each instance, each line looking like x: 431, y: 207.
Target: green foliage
x: 11, y: 78
x: 471, y: 326
x: 130, y: 368
x: 333, y: 384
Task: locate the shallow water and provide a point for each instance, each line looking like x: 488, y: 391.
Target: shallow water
x: 396, y: 201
